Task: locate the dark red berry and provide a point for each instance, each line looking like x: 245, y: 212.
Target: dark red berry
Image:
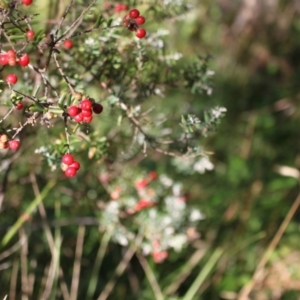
x: 97, y: 108
x: 140, y: 33
x: 134, y: 13
x: 24, y: 60
x: 14, y: 144
x: 73, y: 110
x: 30, y: 34
x: 19, y: 106
x: 70, y: 171
x: 140, y: 20
x: 86, y: 104
x: 11, y: 78
x: 67, y: 159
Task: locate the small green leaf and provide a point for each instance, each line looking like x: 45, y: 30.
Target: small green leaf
x: 55, y: 110
x: 109, y: 22
x: 98, y: 22
x: 62, y: 99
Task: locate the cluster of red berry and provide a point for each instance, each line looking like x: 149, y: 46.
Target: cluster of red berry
x: 140, y: 185
x: 132, y: 22
x: 10, y: 58
x: 6, y: 143
x: 69, y: 165
x: 84, y: 111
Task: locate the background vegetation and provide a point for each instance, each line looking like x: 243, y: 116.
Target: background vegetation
x: 248, y: 243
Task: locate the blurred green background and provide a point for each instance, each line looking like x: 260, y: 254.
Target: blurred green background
x: 255, y: 52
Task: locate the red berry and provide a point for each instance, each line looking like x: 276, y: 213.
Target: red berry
x: 134, y: 13
x: 11, y: 53
x: 67, y: 159
x: 78, y: 118
x: 11, y: 78
x: 75, y: 165
x: 152, y: 175
x: 14, y: 144
x: 3, y: 59
x: 73, y: 110
x: 142, y: 204
x: 68, y: 44
x: 97, y: 108
x: 30, y: 34
x: 120, y: 7
x: 87, y: 119
x: 70, y: 172
x: 86, y: 104
x: 141, y: 184
x: 140, y: 33
x: 87, y: 113
x: 26, y: 2
x: 24, y: 60
x: 19, y: 106
x: 159, y: 256
x: 140, y: 20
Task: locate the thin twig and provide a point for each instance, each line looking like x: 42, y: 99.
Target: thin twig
x: 63, y: 74
x: 151, y: 277
x: 24, y: 271
x: 63, y: 286
x: 13, y: 280
x: 97, y: 264
x: 64, y: 17
x: 75, y: 24
x: 31, y: 278
x: 121, y: 267
x: 92, y: 30
x: 258, y: 273
x: 7, y: 114
x: 51, y: 243
x: 77, y: 263
x: 42, y: 212
x: 55, y: 256
x: 182, y: 275
x: 14, y: 248
x: 51, y: 273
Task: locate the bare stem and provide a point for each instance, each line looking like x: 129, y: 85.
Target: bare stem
x: 121, y: 267
x: 77, y: 263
